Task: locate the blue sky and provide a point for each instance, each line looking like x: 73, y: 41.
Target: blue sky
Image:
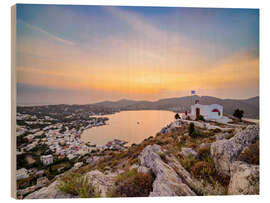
x: 135, y: 52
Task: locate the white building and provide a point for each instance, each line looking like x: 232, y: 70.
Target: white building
x: 209, y: 112
x: 46, y: 159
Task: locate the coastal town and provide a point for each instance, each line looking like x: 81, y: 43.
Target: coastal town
x: 48, y: 146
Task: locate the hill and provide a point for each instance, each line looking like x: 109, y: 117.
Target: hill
x: 181, y: 104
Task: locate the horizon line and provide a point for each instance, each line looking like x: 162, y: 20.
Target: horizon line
x: 39, y: 104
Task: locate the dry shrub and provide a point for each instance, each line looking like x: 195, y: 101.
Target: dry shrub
x: 216, y: 130
x: 162, y: 156
x: 133, y: 184
x: 203, y: 152
x: 78, y: 185
x: 184, y: 138
x: 26, y: 182
x: 251, y: 154
x: 191, y: 145
x: 203, y: 170
x: 188, y: 162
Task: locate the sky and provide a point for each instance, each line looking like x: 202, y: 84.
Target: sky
x: 85, y: 54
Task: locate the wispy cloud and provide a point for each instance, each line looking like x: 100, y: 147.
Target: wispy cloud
x: 52, y: 36
x: 124, y: 52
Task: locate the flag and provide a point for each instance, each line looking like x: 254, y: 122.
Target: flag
x: 193, y: 92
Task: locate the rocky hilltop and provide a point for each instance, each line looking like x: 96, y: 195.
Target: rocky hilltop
x: 216, y: 159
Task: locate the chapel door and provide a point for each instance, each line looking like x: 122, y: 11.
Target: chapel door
x: 197, y: 111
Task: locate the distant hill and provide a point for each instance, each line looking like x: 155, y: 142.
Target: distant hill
x: 181, y: 104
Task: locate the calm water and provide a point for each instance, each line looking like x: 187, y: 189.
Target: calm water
x: 131, y: 126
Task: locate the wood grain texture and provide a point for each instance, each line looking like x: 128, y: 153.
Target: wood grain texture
x: 13, y: 101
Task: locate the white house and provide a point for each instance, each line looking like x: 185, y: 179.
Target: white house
x: 46, y: 159
x: 209, y: 112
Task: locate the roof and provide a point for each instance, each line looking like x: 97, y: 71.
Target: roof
x: 213, y: 105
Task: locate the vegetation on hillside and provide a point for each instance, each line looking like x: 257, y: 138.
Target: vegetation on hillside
x: 238, y: 114
x: 77, y: 185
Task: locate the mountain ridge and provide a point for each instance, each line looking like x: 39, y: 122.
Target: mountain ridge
x: 181, y: 104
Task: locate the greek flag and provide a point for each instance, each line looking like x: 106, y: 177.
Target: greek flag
x: 193, y: 92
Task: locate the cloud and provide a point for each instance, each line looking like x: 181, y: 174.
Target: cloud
x: 52, y: 36
x: 137, y: 58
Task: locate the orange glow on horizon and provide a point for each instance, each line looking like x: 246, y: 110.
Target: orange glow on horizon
x: 144, y: 81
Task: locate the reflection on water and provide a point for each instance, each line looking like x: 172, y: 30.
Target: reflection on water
x: 131, y: 126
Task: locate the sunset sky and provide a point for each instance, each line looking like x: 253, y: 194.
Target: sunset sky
x: 85, y: 54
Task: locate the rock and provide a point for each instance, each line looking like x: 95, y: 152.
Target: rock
x: 167, y: 181
x: 204, y: 145
x: 39, y: 173
x: 75, y: 167
x: 244, y: 179
x: 133, y: 166
x: 42, y: 181
x: 50, y: 192
x: 143, y: 169
x: 169, y: 128
x: 25, y: 191
x: 205, y: 125
x: 221, y: 136
x: 92, y: 160
x: 78, y: 165
x: 61, y: 169
x: 180, y: 170
x: 188, y: 151
x: 21, y: 174
x: 103, y: 182
x: 225, y: 152
x: 165, y: 130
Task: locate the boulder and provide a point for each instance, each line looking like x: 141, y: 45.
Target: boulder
x: 208, y: 126
x: 221, y: 136
x: 143, y: 169
x: 225, y: 152
x: 188, y: 151
x: 93, y: 160
x: 42, y: 181
x: 50, y: 192
x: 22, y: 174
x: 167, y: 181
x: 103, y: 182
x: 133, y: 166
x: 78, y: 165
x: 244, y: 179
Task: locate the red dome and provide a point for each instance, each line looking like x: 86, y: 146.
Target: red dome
x: 215, y: 110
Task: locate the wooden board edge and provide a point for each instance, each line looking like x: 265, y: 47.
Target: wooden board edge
x: 13, y: 101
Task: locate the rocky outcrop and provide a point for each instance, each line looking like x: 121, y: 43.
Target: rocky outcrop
x: 93, y: 160
x: 102, y: 182
x: 22, y: 174
x: 41, y: 182
x: 143, y: 169
x: 225, y: 152
x: 167, y: 181
x: 244, y: 179
x: 221, y: 136
x: 206, y: 125
x: 50, y: 192
x: 188, y: 151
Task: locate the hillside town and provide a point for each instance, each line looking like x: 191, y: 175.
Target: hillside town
x: 45, y: 142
